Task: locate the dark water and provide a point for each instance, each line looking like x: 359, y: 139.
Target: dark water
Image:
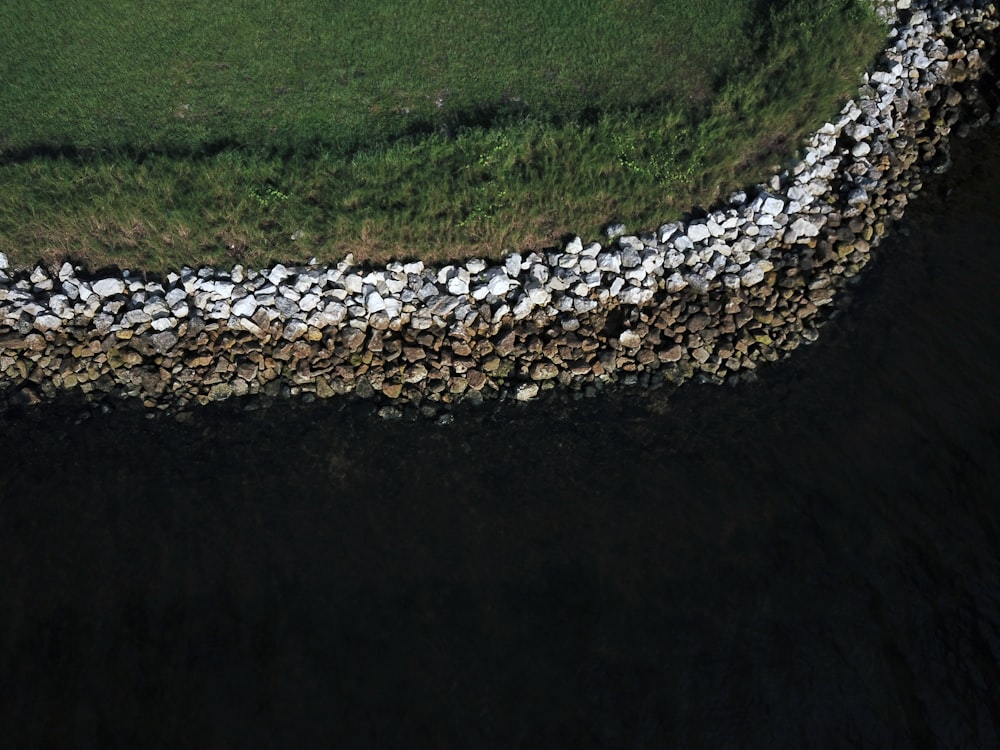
x: 812, y: 560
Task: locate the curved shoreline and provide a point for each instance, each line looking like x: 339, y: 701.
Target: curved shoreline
x: 712, y: 296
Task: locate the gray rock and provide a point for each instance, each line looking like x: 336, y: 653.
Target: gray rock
x: 697, y: 282
x: 163, y: 342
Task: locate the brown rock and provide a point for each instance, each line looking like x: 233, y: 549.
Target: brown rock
x: 476, y: 379
x: 414, y: 353
x: 544, y: 371
x: 673, y: 354
x: 506, y: 345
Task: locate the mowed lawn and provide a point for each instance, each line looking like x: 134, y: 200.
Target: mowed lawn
x: 155, y: 134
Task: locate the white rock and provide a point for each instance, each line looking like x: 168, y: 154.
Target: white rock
x: 698, y: 232
x: 803, y: 227
x: 59, y: 305
x: 673, y: 258
x: 752, y: 274
x: 308, y: 302
x: 374, y: 302
x: 245, y: 307
x: 773, y: 205
x: 611, y: 262
x: 4, y: 263
x: 499, y: 285
x: 574, y: 246
x: 635, y: 296
x: 175, y: 295
x: 523, y: 308
x: 47, y: 322
x: 393, y: 308
x: 353, y: 283
x: 676, y: 282
x: 458, y: 285
x: 278, y: 274
x: 105, y: 288
x: 512, y: 264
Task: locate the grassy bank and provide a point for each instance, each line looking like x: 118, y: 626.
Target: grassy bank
x: 185, y: 133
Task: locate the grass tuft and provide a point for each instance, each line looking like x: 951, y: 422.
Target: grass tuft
x: 179, y: 133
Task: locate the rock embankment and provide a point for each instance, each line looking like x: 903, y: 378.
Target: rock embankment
x: 712, y: 296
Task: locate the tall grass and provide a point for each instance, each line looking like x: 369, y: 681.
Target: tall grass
x: 424, y: 128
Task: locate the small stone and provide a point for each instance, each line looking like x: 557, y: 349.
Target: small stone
x: 163, y: 342
x: 295, y: 329
x: 673, y: 354
x: 526, y: 391
x: 544, y: 371
x: 220, y: 392
x: 630, y: 339
x: 476, y: 379
x: 47, y: 322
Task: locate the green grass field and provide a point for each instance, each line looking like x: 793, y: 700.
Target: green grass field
x: 166, y: 133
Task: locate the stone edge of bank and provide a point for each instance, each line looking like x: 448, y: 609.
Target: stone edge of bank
x: 711, y: 297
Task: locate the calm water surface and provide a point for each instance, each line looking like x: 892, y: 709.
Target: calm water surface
x: 811, y: 560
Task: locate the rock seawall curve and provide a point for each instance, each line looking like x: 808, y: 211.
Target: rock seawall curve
x: 710, y: 297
